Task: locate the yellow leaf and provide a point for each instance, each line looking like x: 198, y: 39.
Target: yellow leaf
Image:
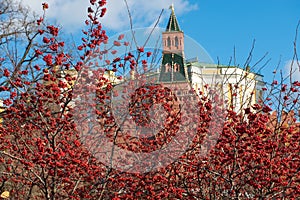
x: 5, y: 194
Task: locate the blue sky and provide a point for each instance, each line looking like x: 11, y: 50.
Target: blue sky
x: 218, y: 25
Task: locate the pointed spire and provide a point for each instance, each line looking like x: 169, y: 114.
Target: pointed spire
x: 172, y: 24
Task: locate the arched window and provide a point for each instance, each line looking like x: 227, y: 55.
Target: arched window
x: 169, y: 42
x: 176, y: 67
x: 176, y: 41
x: 167, y: 67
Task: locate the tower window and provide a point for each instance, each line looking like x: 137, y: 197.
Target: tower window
x: 167, y: 67
x: 176, y: 41
x: 176, y: 67
x: 169, y: 42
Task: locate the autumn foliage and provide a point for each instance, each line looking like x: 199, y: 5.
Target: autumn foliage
x: 43, y: 154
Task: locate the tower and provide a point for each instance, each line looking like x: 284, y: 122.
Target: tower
x: 173, y: 69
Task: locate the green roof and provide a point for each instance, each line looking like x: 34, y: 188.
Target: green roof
x: 173, y: 23
x: 213, y: 65
x: 172, y: 76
